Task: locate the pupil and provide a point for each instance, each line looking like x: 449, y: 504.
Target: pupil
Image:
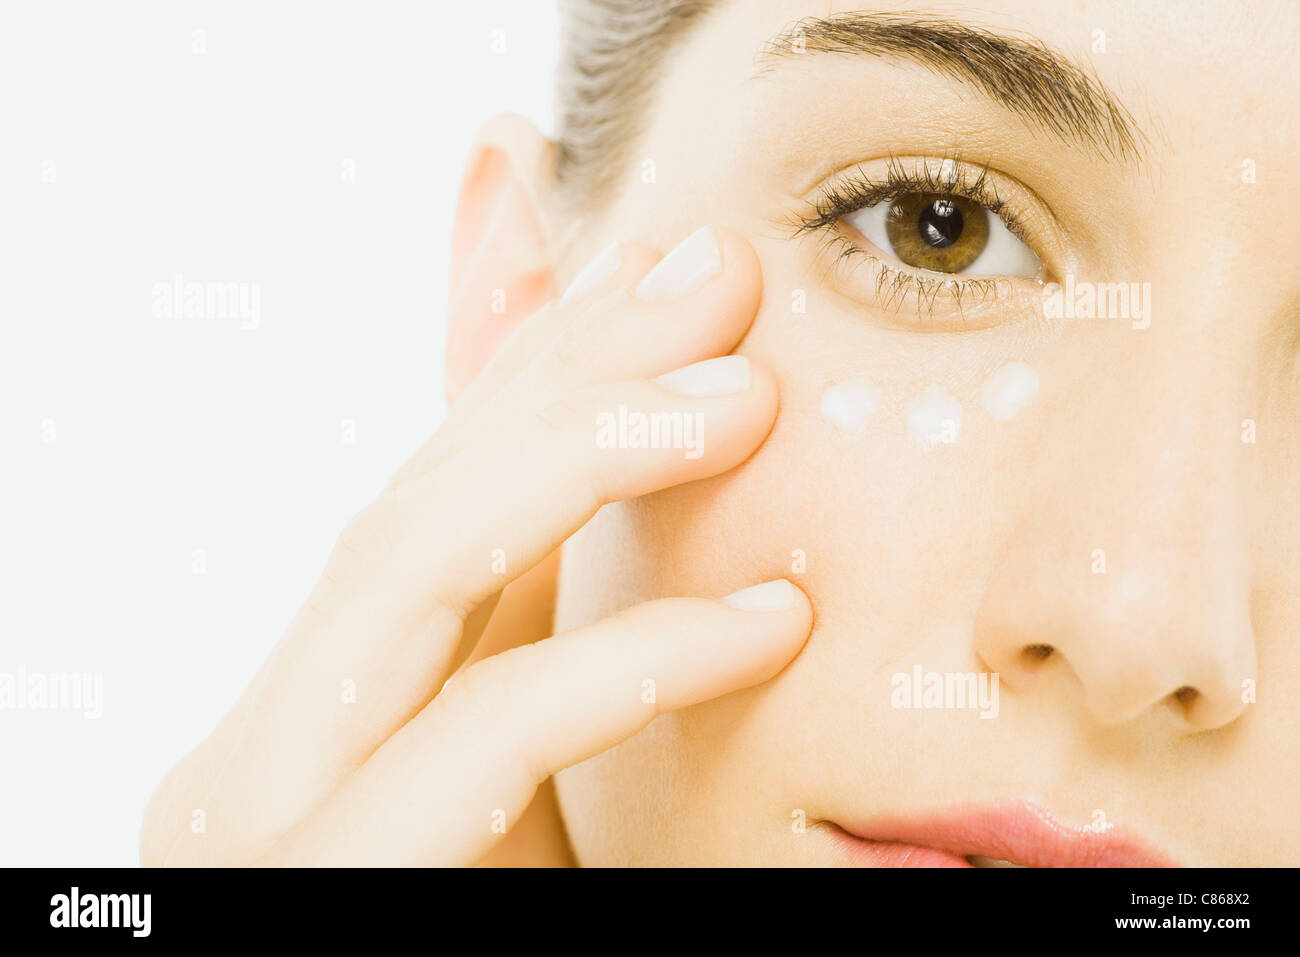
x: 940, y: 223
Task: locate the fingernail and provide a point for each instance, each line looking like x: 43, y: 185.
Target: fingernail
x: 593, y: 274
x: 689, y: 265
x: 776, y: 595
x: 722, y: 376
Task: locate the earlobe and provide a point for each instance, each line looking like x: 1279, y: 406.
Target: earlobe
x: 502, y: 266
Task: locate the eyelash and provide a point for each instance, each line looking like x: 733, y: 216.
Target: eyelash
x: 893, y: 282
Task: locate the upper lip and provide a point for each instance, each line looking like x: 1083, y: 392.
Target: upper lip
x: 1017, y: 831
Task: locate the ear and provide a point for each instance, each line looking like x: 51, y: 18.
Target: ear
x: 502, y: 267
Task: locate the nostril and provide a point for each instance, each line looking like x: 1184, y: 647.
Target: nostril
x: 1038, y: 652
x: 1186, y: 695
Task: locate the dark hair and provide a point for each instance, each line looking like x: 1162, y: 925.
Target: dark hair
x: 611, y: 55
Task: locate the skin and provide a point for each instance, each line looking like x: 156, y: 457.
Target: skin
x: 351, y: 747
x: 959, y: 558
x: 955, y: 559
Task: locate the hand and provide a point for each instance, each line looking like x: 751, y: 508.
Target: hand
x: 347, y: 748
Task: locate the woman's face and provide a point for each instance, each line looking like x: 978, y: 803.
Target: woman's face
x: 1136, y: 513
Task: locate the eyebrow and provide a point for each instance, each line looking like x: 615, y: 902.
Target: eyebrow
x: 1024, y: 75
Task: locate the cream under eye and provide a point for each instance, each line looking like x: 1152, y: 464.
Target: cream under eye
x: 945, y: 233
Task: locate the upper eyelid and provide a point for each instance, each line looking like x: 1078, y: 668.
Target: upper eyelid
x: 1026, y: 215
x: 971, y: 182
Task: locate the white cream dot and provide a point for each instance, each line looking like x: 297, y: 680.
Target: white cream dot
x: 934, y: 417
x: 1009, y: 390
x: 848, y: 405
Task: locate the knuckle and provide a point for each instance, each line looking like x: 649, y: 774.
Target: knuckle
x: 578, y: 466
x: 370, y: 531
x: 488, y: 691
x: 365, y: 541
x: 560, y: 416
x: 566, y: 357
x: 485, y: 701
x: 627, y: 632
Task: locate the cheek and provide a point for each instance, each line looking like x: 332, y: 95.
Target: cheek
x: 868, y: 525
x: 881, y: 533
x: 858, y: 500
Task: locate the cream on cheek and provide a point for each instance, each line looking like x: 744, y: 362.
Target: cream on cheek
x: 849, y: 404
x: 934, y: 416
x: 1009, y: 390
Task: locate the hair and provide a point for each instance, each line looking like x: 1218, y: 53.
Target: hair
x: 612, y: 54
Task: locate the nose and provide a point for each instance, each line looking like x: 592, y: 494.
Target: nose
x: 1130, y: 569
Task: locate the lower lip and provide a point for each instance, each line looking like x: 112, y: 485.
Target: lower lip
x: 1018, y: 832
x: 893, y: 854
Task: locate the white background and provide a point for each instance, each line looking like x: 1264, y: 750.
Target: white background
x: 172, y: 436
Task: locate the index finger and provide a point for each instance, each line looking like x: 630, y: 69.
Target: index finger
x: 450, y: 783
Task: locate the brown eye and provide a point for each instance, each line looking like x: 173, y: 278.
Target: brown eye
x: 933, y: 231
x: 944, y: 233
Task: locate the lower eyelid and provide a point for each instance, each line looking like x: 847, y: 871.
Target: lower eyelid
x: 917, y: 300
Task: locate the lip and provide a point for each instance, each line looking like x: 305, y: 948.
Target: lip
x: 1018, y: 831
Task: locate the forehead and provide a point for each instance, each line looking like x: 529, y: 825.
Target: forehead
x: 1187, y: 72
